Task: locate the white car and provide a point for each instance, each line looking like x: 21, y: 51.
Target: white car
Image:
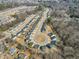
x: 53, y: 38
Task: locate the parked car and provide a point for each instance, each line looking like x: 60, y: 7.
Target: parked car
x: 53, y: 39
x: 12, y: 51
x: 42, y: 48
x: 48, y: 46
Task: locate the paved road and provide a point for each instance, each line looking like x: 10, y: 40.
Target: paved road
x: 27, y: 24
x: 15, y: 10
x: 21, y: 26
x: 31, y: 26
x: 37, y: 30
x: 5, y: 16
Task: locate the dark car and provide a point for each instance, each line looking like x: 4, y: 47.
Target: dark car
x: 48, y: 45
x: 42, y: 48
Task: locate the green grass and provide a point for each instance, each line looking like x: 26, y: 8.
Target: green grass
x: 6, y: 49
x: 9, y: 25
x: 7, y: 5
x: 2, y: 29
x: 4, y: 6
x: 30, y: 44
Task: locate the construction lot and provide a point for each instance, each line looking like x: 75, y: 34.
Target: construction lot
x: 31, y: 33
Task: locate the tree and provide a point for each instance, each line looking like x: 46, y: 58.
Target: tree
x: 19, y: 46
x: 48, y: 20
